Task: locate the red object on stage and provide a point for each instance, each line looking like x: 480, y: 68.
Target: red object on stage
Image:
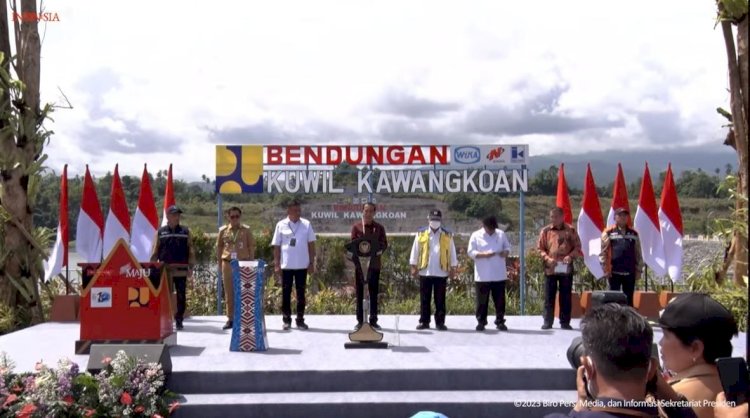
x: 123, y: 300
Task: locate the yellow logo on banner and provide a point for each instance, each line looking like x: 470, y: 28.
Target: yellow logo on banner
x: 138, y: 297
x: 239, y: 169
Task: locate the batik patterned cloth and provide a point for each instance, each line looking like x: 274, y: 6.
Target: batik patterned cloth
x: 249, y: 324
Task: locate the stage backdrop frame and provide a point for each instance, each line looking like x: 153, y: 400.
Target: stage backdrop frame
x: 261, y: 169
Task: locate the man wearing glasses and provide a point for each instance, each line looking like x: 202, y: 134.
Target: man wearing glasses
x: 558, y: 245
x: 235, y: 242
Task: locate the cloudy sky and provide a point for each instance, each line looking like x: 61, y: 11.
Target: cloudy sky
x: 164, y: 81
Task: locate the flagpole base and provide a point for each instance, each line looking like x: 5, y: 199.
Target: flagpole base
x: 65, y: 308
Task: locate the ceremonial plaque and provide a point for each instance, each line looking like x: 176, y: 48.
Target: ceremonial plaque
x: 124, y: 301
x: 363, y: 251
x: 249, y: 324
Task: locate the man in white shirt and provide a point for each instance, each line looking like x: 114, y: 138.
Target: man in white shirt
x: 489, y: 247
x: 294, y: 258
x: 433, y: 259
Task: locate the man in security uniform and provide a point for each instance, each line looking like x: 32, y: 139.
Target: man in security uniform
x: 621, y: 255
x: 433, y: 259
x: 235, y: 242
x: 174, y: 248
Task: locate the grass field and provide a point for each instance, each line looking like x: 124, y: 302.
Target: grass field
x: 698, y: 214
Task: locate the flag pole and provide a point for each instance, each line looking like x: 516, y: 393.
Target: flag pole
x: 645, y: 277
x: 220, y: 283
x: 522, y: 251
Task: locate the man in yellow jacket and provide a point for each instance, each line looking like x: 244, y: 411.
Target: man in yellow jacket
x: 433, y: 259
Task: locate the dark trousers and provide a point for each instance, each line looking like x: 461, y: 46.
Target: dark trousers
x: 373, y: 286
x: 624, y: 282
x: 553, y: 283
x: 428, y: 284
x: 180, y: 285
x: 497, y: 289
x: 298, y: 279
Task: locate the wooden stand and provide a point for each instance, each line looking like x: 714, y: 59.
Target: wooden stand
x: 65, y: 308
x: 575, y: 303
x: 585, y: 301
x: 665, y: 297
x: 647, y: 304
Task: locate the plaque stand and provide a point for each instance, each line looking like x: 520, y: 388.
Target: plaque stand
x: 363, y: 251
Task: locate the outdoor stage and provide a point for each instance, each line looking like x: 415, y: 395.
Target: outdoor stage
x: 459, y: 372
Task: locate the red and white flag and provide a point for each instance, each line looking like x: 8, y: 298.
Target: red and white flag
x: 619, y: 197
x: 118, y: 219
x: 145, y: 222
x: 647, y: 224
x: 590, y: 226
x: 671, y: 227
x: 59, y: 256
x: 90, y: 225
x: 563, y: 199
x: 168, y: 196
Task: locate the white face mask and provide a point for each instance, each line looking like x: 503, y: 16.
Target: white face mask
x: 434, y: 224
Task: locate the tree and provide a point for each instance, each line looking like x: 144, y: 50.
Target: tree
x: 733, y: 13
x: 545, y: 182
x: 22, y: 139
x: 698, y: 184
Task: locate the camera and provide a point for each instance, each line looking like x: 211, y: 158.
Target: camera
x: 575, y: 352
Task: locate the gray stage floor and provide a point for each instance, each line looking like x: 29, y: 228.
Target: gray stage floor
x: 203, y: 346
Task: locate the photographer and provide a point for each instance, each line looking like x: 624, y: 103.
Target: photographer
x: 617, y: 371
x: 697, y: 331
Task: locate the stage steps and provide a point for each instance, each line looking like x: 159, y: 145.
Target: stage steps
x: 376, y: 393
x: 379, y: 404
x: 371, y: 380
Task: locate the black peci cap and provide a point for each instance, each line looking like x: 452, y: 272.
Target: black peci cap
x: 435, y: 215
x: 699, y: 313
x: 622, y: 210
x: 174, y: 209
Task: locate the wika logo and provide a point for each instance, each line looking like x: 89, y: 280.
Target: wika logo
x: 128, y: 271
x: 27, y: 17
x: 467, y: 155
x: 495, y: 153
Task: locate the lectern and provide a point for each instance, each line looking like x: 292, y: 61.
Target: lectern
x: 363, y: 251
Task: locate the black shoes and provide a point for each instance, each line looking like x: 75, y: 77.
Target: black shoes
x: 375, y: 326
x: 179, y: 325
x: 358, y: 326
x: 566, y: 326
x: 441, y: 327
x: 287, y: 326
x: 480, y: 327
x: 502, y: 327
x: 228, y: 325
x: 422, y: 326
x: 301, y: 324
x: 547, y: 326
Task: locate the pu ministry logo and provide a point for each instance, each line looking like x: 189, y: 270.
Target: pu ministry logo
x: 138, y: 297
x: 239, y: 169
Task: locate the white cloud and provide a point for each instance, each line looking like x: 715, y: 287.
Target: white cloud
x: 181, y: 72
